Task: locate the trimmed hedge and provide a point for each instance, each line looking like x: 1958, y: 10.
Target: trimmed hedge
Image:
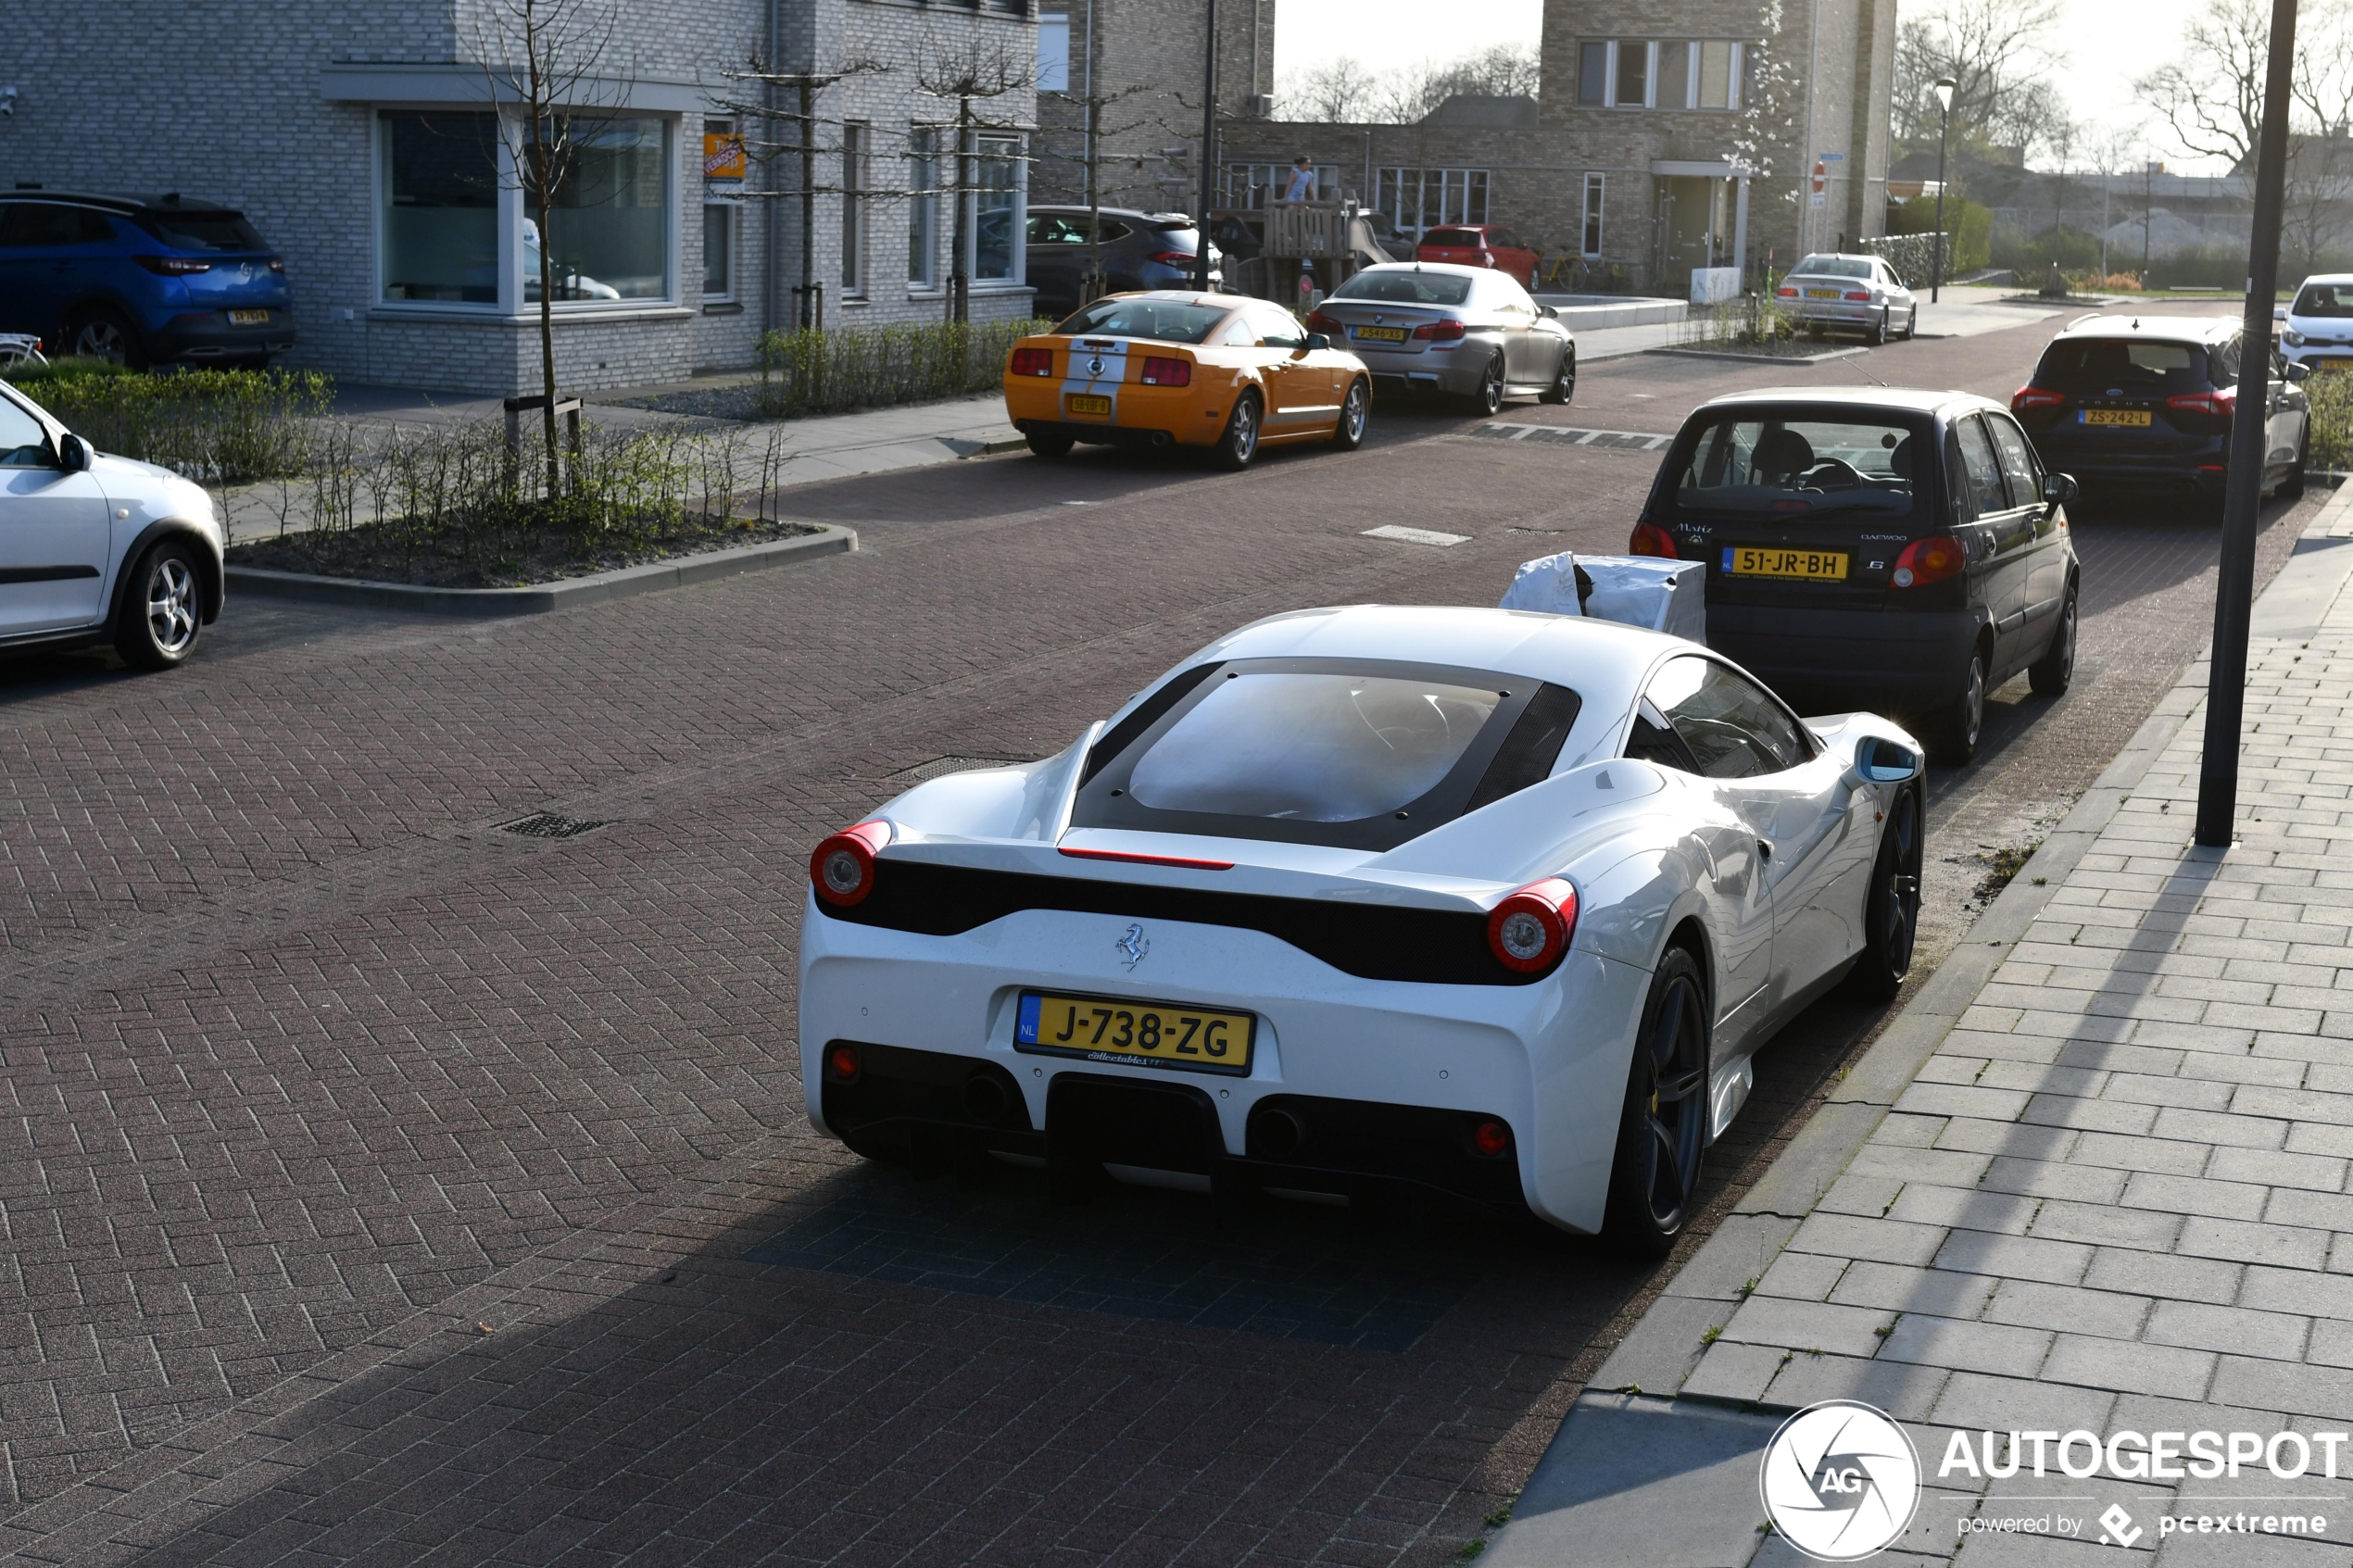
x: 831, y: 373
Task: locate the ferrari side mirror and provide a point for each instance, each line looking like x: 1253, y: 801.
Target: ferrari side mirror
x: 1883, y: 761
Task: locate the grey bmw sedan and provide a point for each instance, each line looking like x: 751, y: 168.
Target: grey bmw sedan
x: 1465, y: 332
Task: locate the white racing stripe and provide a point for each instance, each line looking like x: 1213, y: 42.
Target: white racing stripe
x: 1098, y: 366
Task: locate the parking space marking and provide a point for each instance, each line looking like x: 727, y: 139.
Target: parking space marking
x: 1569, y: 435
x: 1415, y: 535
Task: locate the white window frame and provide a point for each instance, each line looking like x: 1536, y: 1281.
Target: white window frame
x: 1020, y: 159
x: 857, y: 157
x: 925, y: 149
x: 717, y: 197
x: 1591, y: 219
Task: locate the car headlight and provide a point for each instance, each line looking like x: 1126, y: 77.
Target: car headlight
x: 2294, y: 338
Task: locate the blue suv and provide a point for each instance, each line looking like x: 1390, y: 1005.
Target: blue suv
x: 141, y: 281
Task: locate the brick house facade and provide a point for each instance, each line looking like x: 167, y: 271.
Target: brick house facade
x: 358, y: 141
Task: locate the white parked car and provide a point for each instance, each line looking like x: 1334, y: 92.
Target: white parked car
x: 96, y: 548
x: 2317, y: 328
x: 1371, y: 901
x: 1859, y: 294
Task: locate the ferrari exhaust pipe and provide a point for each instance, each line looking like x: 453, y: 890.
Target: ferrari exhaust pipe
x: 1281, y: 1134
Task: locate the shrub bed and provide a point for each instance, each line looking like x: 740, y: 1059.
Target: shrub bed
x: 831, y: 373
x: 216, y: 427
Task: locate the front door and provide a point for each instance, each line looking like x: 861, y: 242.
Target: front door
x: 1298, y: 386
x: 2045, y: 562
x: 53, y: 533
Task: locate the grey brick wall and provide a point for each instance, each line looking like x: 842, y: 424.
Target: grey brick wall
x: 222, y: 102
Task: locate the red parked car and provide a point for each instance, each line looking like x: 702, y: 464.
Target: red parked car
x: 1481, y: 244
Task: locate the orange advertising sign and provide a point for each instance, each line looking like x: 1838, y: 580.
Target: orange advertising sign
x: 722, y: 156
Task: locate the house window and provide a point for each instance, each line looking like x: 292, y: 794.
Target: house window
x: 1593, y: 74
x: 1718, y: 75
x: 440, y: 191
x: 1053, y: 52
x: 1674, y: 75
x: 717, y: 231
x: 856, y: 139
x: 1252, y: 185
x: 1417, y: 199
x: 923, y: 207
x: 1633, y: 75
x: 1593, y: 245
x: 997, y: 225
x: 608, y: 217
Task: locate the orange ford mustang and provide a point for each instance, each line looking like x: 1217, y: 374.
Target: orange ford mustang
x: 1174, y: 367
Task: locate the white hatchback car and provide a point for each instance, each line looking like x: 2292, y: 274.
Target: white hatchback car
x: 1852, y: 293
x: 96, y: 548
x: 2317, y: 325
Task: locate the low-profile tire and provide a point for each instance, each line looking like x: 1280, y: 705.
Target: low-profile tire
x: 1875, y: 333
x: 1892, y: 907
x: 1355, y: 415
x: 1954, y: 733
x: 1564, y: 385
x: 104, y: 332
x: 163, y: 612
x: 1238, y: 443
x: 2292, y: 488
x: 1912, y: 324
x: 2054, y: 672
x: 1047, y: 444
x: 1488, y: 399
x: 1662, y: 1128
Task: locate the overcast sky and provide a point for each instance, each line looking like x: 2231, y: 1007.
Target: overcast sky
x: 2106, y: 42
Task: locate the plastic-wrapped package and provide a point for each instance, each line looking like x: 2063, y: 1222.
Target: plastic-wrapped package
x: 1659, y: 595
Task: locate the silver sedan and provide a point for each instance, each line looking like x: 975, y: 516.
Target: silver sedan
x: 1462, y: 331
x: 1851, y: 292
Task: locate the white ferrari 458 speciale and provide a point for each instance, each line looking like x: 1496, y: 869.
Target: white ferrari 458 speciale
x: 1370, y: 902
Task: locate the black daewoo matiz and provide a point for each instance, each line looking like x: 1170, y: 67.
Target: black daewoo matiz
x: 1874, y: 548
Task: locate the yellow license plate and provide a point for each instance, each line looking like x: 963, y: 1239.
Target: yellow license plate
x: 1120, y: 1029
x: 2134, y: 417
x: 1826, y: 566
x: 1088, y: 408
x: 249, y: 318
x: 1380, y: 334
x: 2332, y: 364
x: 1821, y: 294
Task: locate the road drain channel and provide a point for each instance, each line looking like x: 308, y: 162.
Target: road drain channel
x: 547, y: 824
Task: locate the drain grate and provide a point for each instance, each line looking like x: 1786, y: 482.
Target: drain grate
x: 547, y: 824
x: 942, y: 765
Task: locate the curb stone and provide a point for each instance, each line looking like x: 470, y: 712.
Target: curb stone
x: 684, y: 571
x: 1682, y: 1430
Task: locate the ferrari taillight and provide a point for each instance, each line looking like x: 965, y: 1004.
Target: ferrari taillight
x: 1161, y: 370
x: 1931, y: 559
x: 1445, y: 331
x: 842, y: 870
x: 1650, y: 539
x: 1530, y: 931
x: 1032, y: 362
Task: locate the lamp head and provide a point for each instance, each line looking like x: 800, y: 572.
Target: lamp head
x: 1944, y: 86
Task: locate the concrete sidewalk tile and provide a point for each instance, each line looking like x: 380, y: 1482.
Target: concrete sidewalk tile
x: 2117, y: 1056
x: 2173, y: 1157
x: 2208, y: 1195
x: 1972, y: 1135
x: 2165, y: 1275
x: 2324, y: 1393
x: 2191, y: 1549
x: 2321, y: 1210
x: 1968, y: 1208
x: 2220, y: 1127
x: 1809, y: 1276
x: 1856, y: 1193
x: 1806, y: 1325
x: 1909, y: 1132
x: 2197, y: 1094
x: 1886, y: 1241
x: 2283, y: 1244
x: 2106, y: 1224
x: 1736, y: 1253
x: 1952, y: 1099
x: 1978, y: 1401
x: 2031, y: 1304
x: 1952, y: 1168
x: 2091, y: 1115
x: 1900, y: 1288
x: 2278, y: 1336
x: 2312, y: 1137
x: 1999, y: 1349
x: 1907, y: 1390
x: 2332, y: 1341
x: 1661, y: 1349
x: 1733, y: 1371
x: 2313, y: 1173
x: 2077, y: 1182
x: 2128, y: 1367
x: 2296, y: 1290
x: 1984, y: 1252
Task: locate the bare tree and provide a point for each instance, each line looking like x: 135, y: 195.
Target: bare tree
x: 1334, y: 93
x: 1995, y: 52
x: 803, y: 89
x: 1094, y: 109
x: 1341, y: 89
x: 550, y: 66
x: 973, y: 71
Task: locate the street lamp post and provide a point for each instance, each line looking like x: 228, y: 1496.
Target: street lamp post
x: 1943, y: 85
x: 1208, y: 153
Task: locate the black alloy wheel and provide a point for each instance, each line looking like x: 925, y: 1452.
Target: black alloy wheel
x: 1239, y: 443
x: 1355, y: 414
x: 2054, y: 672
x: 1891, y: 908
x: 107, y: 334
x: 1662, y: 1130
x: 1488, y: 398
x: 1564, y: 385
x: 1954, y: 733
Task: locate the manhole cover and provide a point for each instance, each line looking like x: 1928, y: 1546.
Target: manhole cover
x: 547, y: 824
x: 940, y: 765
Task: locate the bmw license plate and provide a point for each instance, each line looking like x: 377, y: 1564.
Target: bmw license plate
x: 249, y: 318
x: 1121, y: 1029
x: 1747, y: 560
x: 1821, y: 294
x: 2134, y: 418
x: 1088, y: 408
x: 1379, y: 335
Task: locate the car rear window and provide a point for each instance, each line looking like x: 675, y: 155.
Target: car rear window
x: 1831, y: 267
x: 1750, y: 463
x: 2136, y: 364
x: 1405, y: 286
x: 1465, y: 238
x: 202, y: 231
x: 1324, y: 751
x: 2324, y: 299
x: 1161, y: 320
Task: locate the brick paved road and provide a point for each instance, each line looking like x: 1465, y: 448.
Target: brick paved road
x: 380, y: 1187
